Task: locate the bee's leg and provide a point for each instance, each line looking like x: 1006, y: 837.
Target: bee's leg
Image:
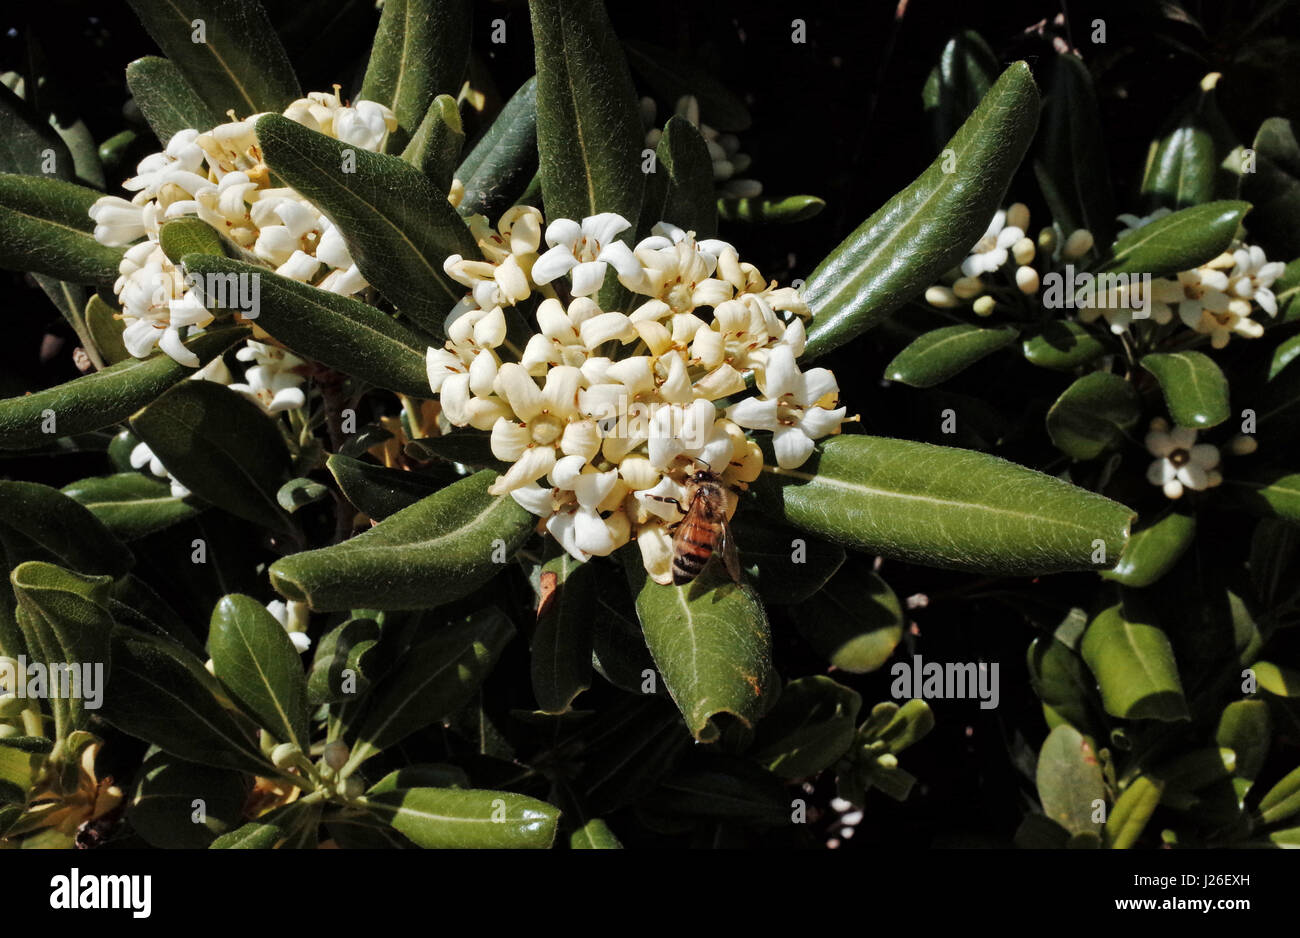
x: 669, y: 500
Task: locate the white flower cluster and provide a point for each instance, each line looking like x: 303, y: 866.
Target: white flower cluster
x: 219, y: 177
x: 615, y: 410
x: 724, y: 149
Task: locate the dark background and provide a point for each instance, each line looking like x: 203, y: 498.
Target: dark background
x: 840, y: 117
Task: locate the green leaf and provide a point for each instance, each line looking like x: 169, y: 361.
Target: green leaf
x: 397, y: 225
x: 65, y: 616
x: 1196, y: 392
x: 131, y: 505
x: 589, y: 135
x: 432, y: 553
x: 105, y: 397
x: 764, y: 211
x: 1153, y: 549
x: 338, y: 331
x: 561, y: 646
x: 1132, y: 809
x: 1277, y: 680
x: 1093, y: 415
x: 671, y: 78
x: 339, y: 649
x: 41, y: 523
x: 46, y: 228
x: 421, y: 49
x: 937, y: 355
x: 379, y: 492
x: 681, y: 190
x: 1282, y: 800
x: 710, y: 641
x: 811, y: 726
x: 955, y: 86
x: 930, y: 225
x: 162, y: 808
x: 279, y: 828
x: 1070, y: 162
x: 945, y: 507
x: 1275, y: 187
x: 253, y: 659
x: 715, y: 787
x: 239, y: 63
x: 430, y: 682
x: 1069, y: 780
x: 435, y: 147
x: 458, y: 819
x: 1134, y: 666
x: 1063, y: 345
x: 222, y: 447
x: 594, y: 835
x: 105, y: 330
x: 300, y: 492
x: 167, y: 100
x: 1245, y: 728
x: 1267, y: 493
x: 29, y: 145
x: 1059, y: 677
x: 1180, y: 241
x: 503, y: 161
x: 158, y: 696
x: 855, y: 622
x: 785, y: 565
x: 1184, y: 164
x: 181, y: 236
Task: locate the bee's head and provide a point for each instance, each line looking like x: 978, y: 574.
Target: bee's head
x: 701, y: 475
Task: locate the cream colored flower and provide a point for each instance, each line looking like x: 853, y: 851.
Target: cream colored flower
x: 793, y: 407
x: 1181, y: 463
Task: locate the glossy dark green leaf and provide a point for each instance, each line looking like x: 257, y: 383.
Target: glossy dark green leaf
x: 1060, y: 678
x: 167, y: 100
x: 671, y: 78
x: 1063, y: 346
x: 379, y: 492
x: 854, y: 622
x: 105, y: 331
x: 810, y: 727
x: 711, y: 644
x: 561, y: 646
x: 1274, y: 187
x: 345, y: 334
x: 589, y: 135
x: 1134, y: 666
x: 1153, y: 549
x: 255, y: 661
x: 930, y: 225
x: 46, y: 228
x: 397, y: 225
x: 104, y: 398
x: 1245, y: 728
x: 1071, y: 160
x: 239, y: 63
x: 1267, y: 493
x: 1277, y: 679
x: 1196, y: 392
x: 784, y: 564
x: 28, y: 144
x: 1274, y: 563
x: 504, y: 159
x: 1069, y: 780
x: 41, y: 523
x: 182, y: 236
x: 279, y: 828
x: 299, y: 493
x: 464, y: 445
x: 937, y: 355
x: 430, y: 682
x: 436, y: 145
x: 680, y: 191
x: 1184, y: 163
x: 434, y: 552
x: 1093, y: 415
x: 955, y: 86
x: 945, y: 507
x: 337, y: 651
x: 594, y: 835
x: 158, y: 696
x: 1282, y: 800
x: 451, y: 818
x: 130, y: 504
x: 178, y: 805
x: 717, y: 787
x: 764, y: 211
x: 1132, y: 810
x: 221, y: 446
x: 1180, y: 241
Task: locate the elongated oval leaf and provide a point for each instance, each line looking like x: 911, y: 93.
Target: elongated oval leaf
x: 105, y: 330
x: 233, y: 60
x: 1132, y: 809
x: 1275, y: 186
x: 594, y: 835
x: 379, y: 492
x: 955, y: 86
x: 561, y: 647
x: 167, y: 100
x: 681, y: 189
x: 343, y: 333
x: 809, y: 729
x: 1184, y: 165
x: 435, y: 147
x: 761, y: 210
x: 937, y: 355
x: 41, y: 523
x: 930, y: 225
x: 1134, y: 666
x: 397, y: 225
x: 162, y: 810
x: 1063, y: 346
x: 945, y: 507
x: 1153, y: 550
x: 45, y: 228
x: 429, y: 554
x: 504, y: 159
x: 1180, y: 241
x: 784, y: 564
x: 458, y: 819
x: 105, y: 397
x: 710, y: 641
x: 254, y: 659
x: 421, y: 49
x: 855, y: 622
x: 1093, y: 414
x: 1196, y: 392
x: 130, y: 504
x: 1069, y: 780
x: 28, y: 144
x: 589, y: 135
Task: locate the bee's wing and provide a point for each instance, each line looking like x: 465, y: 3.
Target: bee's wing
x: 730, y: 557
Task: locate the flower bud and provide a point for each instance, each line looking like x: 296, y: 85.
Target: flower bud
x: 984, y: 306
x: 353, y: 787
x: 1027, y: 279
x: 336, y: 754
x: 285, y: 755
x: 1047, y: 239
x: 1078, y: 244
x: 967, y: 287
x: 941, y: 297
x: 1023, y: 251
x: 1018, y: 216
x: 1243, y: 444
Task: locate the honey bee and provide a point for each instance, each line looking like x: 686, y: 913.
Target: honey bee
x: 704, y: 530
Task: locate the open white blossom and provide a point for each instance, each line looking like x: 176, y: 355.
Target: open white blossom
x: 1181, y: 463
